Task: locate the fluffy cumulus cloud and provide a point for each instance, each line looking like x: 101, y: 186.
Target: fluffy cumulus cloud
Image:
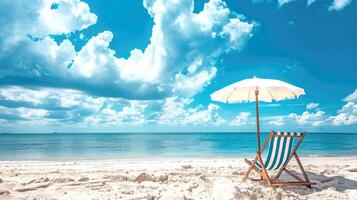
x: 44, y: 77
x: 180, y: 59
x: 312, y: 106
x: 347, y: 115
x: 351, y: 97
x: 277, y: 121
x: 61, y: 105
x: 175, y: 112
x: 132, y: 114
x: 29, y: 53
x: 304, y: 119
x: 184, y: 45
x: 41, y: 18
x: 309, y: 118
x: 314, y: 116
x: 338, y: 5
x: 240, y: 119
x: 56, y: 106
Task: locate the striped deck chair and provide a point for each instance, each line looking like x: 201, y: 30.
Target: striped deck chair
x: 282, y: 147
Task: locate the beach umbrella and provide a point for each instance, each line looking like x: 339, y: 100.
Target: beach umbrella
x: 257, y: 89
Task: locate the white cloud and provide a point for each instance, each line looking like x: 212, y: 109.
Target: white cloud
x: 25, y: 113
x: 240, y: 119
x: 95, y: 60
x: 18, y: 94
x: 32, y: 114
x: 352, y: 97
x: 282, y: 2
x: 309, y: 2
x: 51, y: 98
x: 309, y: 118
x: 69, y: 16
x: 48, y: 104
x: 312, y: 106
x: 132, y: 114
x: 181, y: 59
x: 175, y: 112
x: 314, y: 117
x: 61, y: 106
x: 180, y: 39
x: 28, y: 50
x: 347, y: 115
x: 39, y: 20
x: 181, y: 55
x: 193, y: 82
x: 278, y: 121
x: 338, y: 5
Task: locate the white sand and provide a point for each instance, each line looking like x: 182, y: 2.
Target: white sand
x: 187, y: 178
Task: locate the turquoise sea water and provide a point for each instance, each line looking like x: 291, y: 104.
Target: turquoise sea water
x: 154, y: 145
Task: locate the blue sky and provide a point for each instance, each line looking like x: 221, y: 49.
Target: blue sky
x: 114, y: 66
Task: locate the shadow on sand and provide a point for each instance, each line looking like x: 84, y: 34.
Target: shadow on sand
x: 337, y: 183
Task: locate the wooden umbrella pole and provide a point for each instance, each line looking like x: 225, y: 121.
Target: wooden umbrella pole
x: 257, y: 117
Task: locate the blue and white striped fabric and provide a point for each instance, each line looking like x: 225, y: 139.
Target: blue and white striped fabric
x: 279, y: 150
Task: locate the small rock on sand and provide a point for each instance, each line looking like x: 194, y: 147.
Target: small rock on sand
x: 163, y: 178
x: 150, y: 197
x: 0, y: 180
x: 143, y: 177
x: 127, y: 192
x: 203, y: 177
x: 352, y: 170
x: 186, y: 166
x: 235, y: 173
x: 83, y: 179
x: 4, y: 192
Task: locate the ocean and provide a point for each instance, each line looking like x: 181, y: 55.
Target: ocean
x: 67, y: 146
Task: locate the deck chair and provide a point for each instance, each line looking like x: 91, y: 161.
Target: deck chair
x: 282, y: 147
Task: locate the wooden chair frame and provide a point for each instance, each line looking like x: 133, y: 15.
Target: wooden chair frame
x: 274, y: 182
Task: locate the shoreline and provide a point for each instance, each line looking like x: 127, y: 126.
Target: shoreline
x: 161, y: 158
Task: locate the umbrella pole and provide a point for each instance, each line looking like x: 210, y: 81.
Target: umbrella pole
x: 257, y: 117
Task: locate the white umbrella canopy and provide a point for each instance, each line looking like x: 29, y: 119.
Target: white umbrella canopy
x: 257, y: 89
x: 269, y: 90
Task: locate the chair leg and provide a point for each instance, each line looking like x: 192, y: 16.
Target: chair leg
x: 260, y: 172
x: 264, y: 171
x: 302, y: 169
x: 251, y: 166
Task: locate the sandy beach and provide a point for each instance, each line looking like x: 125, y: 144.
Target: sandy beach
x: 181, y: 178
